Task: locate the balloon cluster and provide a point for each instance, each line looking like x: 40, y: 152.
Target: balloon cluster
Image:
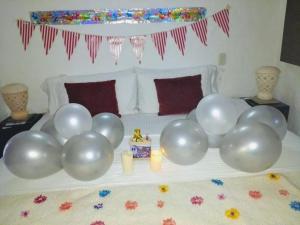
x: 72, y: 140
x: 250, y: 142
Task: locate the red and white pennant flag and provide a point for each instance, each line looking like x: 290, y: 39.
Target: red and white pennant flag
x: 70, y: 41
x: 26, y: 29
x: 48, y: 35
x: 179, y: 36
x: 222, y: 19
x: 93, y: 43
x: 138, y: 44
x: 115, y: 46
x: 200, y: 28
x: 160, y: 41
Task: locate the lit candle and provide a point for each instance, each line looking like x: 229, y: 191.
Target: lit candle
x: 127, y: 161
x: 155, y: 160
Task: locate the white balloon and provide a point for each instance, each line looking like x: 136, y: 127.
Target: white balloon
x: 216, y: 114
x: 72, y: 119
x: 49, y: 128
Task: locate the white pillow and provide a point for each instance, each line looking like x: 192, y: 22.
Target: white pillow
x: 126, y: 89
x: 147, y: 95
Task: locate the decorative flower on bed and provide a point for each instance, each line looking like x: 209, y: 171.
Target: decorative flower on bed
x: 40, y: 199
x: 65, y: 206
x: 274, y: 176
x: 25, y: 213
x: 217, y: 182
x: 98, y: 206
x: 197, y: 200
x: 169, y: 221
x: 283, y: 192
x: 98, y: 222
x: 221, y: 196
x: 255, y: 194
x: 163, y: 188
x: 295, y: 205
x: 160, y: 204
x: 232, y: 213
x: 131, y: 205
x: 104, y: 193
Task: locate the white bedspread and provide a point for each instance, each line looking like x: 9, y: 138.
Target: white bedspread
x: 210, y: 166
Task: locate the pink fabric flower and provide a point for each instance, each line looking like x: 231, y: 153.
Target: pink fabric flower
x: 221, y: 196
x: 160, y: 204
x: 98, y: 222
x: 169, y: 221
x: 131, y: 205
x: 197, y: 200
x: 283, y: 192
x: 40, y: 199
x: 24, y: 213
x: 65, y: 206
x: 255, y: 194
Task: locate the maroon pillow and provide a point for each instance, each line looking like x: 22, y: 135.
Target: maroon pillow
x: 178, y: 95
x: 97, y: 97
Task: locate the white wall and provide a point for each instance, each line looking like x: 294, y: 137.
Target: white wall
x: 255, y: 40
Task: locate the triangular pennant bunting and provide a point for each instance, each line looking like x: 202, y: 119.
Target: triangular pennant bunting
x: 222, y: 19
x: 160, y: 41
x: 26, y: 29
x: 115, y: 46
x: 200, y: 28
x: 70, y: 41
x: 138, y: 44
x: 93, y: 43
x: 48, y: 35
x: 179, y: 36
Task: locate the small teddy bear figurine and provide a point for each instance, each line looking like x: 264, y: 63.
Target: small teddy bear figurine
x: 137, y: 136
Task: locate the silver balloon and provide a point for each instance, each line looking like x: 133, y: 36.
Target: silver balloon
x: 267, y: 115
x: 49, y: 128
x: 216, y: 114
x: 251, y: 147
x: 192, y: 116
x: 72, y: 119
x: 110, y: 126
x: 214, y: 141
x: 184, y: 142
x: 87, y: 156
x: 32, y: 155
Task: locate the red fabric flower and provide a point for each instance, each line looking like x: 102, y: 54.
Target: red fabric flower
x: 283, y: 192
x: 24, y: 213
x: 197, y: 200
x: 221, y: 197
x: 131, y: 205
x: 65, y: 206
x: 169, y: 221
x: 40, y: 199
x: 255, y: 194
x: 160, y: 204
x: 98, y: 222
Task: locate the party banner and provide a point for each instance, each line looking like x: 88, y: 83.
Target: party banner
x: 70, y: 41
x: 93, y: 44
x: 222, y: 19
x: 138, y: 44
x: 48, y: 36
x: 26, y: 29
x: 160, y: 41
x: 200, y: 28
x: 115, y: 46
x: 179, y: 36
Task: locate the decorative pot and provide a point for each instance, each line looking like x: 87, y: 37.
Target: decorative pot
x: 266, y: 79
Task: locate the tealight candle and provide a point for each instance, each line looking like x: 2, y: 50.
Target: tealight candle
x: 127, y: 162
x: 155, y: 160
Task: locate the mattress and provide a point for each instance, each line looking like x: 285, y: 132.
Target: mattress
x: 151, y: 124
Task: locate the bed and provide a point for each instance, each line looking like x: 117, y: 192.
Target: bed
x: 128, y: 203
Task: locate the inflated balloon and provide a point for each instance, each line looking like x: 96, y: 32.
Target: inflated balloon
x: 216, y: 114
x: 72, y: 119
x: 184, y: 142
x: 192, y: 116
x: 110, y: 126
x: 32, y: 155
x: 87, y: 156
x: 267, y: 115
x: 251, y: 147
x: 49, y: 128
x: 214, y: 141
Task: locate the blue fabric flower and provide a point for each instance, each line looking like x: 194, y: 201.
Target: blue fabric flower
x: 217, y: 182
x: 104, y: 193
x: 295, y: 205
x: 98, y: 206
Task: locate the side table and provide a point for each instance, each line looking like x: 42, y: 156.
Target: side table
x: 10, y: 127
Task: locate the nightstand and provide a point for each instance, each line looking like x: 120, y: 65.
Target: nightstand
x: 282, y: 107
x: 10, y: 127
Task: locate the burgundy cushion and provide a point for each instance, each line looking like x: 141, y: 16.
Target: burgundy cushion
x: 97, y: 97
x: 178, y: 95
